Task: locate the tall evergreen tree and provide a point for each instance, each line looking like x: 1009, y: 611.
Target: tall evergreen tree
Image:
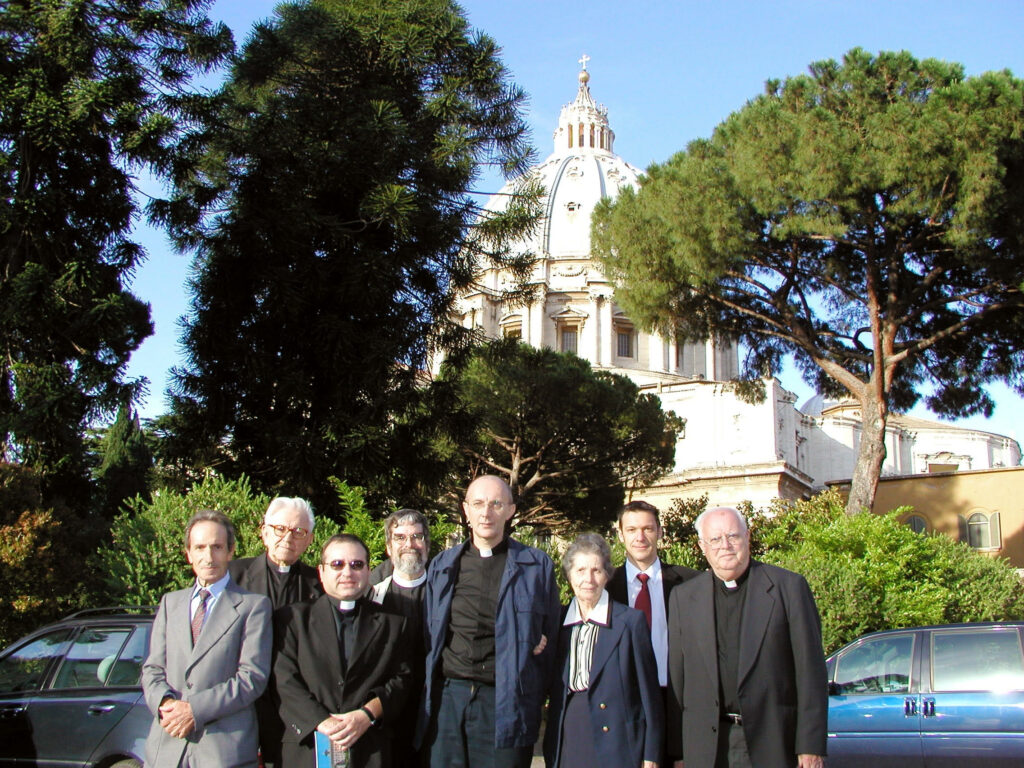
x: 125, y: 464
x: 331, y: 224
x: 866, y: 218
x: 90, y: 92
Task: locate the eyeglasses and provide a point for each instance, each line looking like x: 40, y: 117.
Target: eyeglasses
x: 401, y: 538
x: 339, y: 565
x: 721, y: 542
x: 479, y: 505
x: 283, y: 530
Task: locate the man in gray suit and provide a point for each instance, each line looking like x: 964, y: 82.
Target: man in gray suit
x: 209, y: 659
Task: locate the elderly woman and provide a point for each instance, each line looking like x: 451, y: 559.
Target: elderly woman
x: 606, y: 706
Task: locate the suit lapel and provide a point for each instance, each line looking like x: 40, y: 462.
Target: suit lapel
x: 224, y: 614
x: 617, y: 586
x: 369, y: 624
x: 607, y: 640
x: 180, y: 621
x: 757, y: 610
x: 323, y: 637
x: 703, y: 604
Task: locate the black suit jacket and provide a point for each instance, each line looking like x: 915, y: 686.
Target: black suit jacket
x: 782, y: 681
x: 671, y: 576
x: 309, y: 685
x: 250, y: 573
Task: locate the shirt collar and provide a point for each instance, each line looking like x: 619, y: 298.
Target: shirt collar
x: 214, y: 589
x: 395, y: 578
x: 653, y: 570
x: 597, y: 616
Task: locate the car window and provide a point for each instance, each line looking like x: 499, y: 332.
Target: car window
x: 977, y: 660
x: 878, y: 665
x: 89, y: 659
x: 23, y: 669
x: 126, y: 668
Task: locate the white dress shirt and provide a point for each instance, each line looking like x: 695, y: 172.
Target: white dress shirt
x: 659, y: 619
x: 216, y: 590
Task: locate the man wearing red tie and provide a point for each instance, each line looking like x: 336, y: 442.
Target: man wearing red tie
x: 644, y: 581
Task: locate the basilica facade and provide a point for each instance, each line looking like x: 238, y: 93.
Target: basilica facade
x: 730, y: 450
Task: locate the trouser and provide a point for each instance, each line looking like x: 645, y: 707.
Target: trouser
x: 732, y: 747
x: 464, y: 736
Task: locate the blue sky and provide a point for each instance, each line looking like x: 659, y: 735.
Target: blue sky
x: 669, y: 72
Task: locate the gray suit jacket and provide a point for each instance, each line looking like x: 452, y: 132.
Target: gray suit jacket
x: 221, y: 678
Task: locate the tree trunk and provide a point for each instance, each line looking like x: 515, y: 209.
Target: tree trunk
x: 870, y: 455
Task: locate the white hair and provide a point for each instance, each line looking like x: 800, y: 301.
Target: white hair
x: 295, y: 503
x: 699, y: 522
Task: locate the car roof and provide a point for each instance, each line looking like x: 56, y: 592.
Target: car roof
x: 901, y: 630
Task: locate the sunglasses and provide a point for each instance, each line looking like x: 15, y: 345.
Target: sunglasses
x: 339, y: 565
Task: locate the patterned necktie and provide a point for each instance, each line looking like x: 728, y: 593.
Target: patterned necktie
x: 200, y: 615
x: 643, y: 599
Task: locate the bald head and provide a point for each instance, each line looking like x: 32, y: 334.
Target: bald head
x: 488, y: 506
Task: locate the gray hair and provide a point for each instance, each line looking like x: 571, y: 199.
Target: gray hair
x: 210, y: 516
x: 407, y: 517
x: 588, y: 544
x: 295, y: 503
x: 698, y: 524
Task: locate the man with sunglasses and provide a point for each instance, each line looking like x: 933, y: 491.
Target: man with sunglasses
x: 287, y: 532
x: 341, y: 664
x: 407, y: 541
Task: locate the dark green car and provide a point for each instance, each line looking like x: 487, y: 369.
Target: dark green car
x: 70, y: 692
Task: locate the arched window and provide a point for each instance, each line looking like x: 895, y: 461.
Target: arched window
x: 917, y: 523
x: 570, y: 136
x: 981, y: 530
x: 591, y: 135
x: 581, y: 135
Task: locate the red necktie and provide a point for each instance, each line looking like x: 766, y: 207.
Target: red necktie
x: 200, y: 615
x: 643, y: 599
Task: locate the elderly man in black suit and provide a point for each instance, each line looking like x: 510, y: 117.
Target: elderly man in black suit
x: 287, y: 532
x: 340, y: 664
x: 747, y: 671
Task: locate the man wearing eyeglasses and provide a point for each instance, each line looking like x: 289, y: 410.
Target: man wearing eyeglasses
x: 287, y: 531
x: 747, y: 682
x: 341, y: 664
x: 407, y: 541
x: 491, y: 608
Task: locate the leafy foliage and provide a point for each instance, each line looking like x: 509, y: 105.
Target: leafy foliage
x: 568, y: 440
x: 146, y: 557
x: 91, y: 91
x: 865, y: 218
x: 35, y: 548
x: 330, y: 214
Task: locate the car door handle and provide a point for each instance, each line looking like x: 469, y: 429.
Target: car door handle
x: 910, y: 706
x: 928, y: 707
x: 100, y: 709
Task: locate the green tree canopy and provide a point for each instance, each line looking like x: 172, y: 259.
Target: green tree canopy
x: 867, y: 218
x: 331, y: 222
x: 569, y: 440
x: 91, y: 92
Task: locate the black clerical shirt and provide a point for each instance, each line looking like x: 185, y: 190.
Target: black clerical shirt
x: 469, y: 652
x: 728, y: 618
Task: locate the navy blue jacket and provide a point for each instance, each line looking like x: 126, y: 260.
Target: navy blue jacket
x: 527, y: 608
x: 624, y: 698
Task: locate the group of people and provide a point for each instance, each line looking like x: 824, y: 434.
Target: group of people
x: 449, y: 662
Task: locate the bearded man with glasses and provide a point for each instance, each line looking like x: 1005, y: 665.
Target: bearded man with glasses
x: 287, y: 532
x: 400, y: 591
x: 341, y: 665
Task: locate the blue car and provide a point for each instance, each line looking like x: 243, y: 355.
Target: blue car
x: 945, y: 696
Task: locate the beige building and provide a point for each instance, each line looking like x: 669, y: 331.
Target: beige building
x: 982, y: 507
